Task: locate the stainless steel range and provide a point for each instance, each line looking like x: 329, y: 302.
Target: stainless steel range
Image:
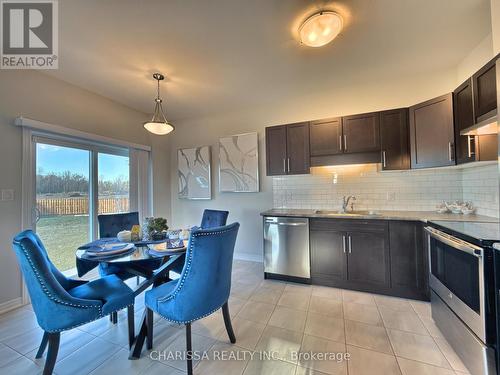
x: 462, y: 283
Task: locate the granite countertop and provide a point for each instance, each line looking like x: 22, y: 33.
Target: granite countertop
x: 424, y: 216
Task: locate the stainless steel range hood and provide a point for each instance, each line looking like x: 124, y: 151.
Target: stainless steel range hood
x: 487, y: 125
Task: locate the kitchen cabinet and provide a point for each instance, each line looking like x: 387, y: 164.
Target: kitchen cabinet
x: 470, y: 148
x: 361, y: 133
x: 394, y: 139
x: 432, y: 133
x: 297, y: 146
x: 379, y: 256
x: 287, y: 149
x: 368, y: 256
x: 325, y: 137
x: 408, y: 258
x: 276, y: 150
x: 485, y: 91
x: 350, y: 254
x: 328, y: 259
x: 463, y: 113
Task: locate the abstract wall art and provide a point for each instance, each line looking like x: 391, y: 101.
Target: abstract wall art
x: 193, y: 165
x: 239, y: 163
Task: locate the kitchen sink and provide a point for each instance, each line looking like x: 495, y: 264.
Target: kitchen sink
x: 348, y: 213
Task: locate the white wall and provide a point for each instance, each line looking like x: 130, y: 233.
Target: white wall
x: 41, y: 97
x: 495, y: 25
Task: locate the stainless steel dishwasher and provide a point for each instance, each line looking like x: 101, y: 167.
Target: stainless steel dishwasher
x: 286, y: 247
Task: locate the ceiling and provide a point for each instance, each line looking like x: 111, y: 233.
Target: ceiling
x: 229, y: 55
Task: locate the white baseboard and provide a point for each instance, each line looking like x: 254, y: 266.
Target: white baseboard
x: 11, y: 305
x: 249, y: 257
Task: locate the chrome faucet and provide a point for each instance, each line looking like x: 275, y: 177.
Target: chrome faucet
x: 345, y: 202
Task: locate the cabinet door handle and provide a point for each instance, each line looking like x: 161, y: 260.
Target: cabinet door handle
x: 383, y: 159
x: 343, y: 243
x: 450, y: 151
x: 340, y: 139
x: 345, y: 142
x: 469, y: 148
x: 288, y: 164
x: 284, y: 165
x: 350, y: 244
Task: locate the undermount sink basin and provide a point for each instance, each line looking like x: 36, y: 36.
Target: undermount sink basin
x: 348, y: 213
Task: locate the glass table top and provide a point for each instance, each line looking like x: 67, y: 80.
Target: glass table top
x: 136, y: 254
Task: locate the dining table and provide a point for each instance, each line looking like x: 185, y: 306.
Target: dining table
x: 136, y: 261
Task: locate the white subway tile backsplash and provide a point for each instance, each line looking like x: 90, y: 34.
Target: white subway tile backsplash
x: 419, y: 190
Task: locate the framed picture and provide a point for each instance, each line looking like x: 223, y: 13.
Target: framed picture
x: 239, y: 163
x: 193, y: 169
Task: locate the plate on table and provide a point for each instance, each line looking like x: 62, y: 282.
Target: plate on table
x: 167, y: 246
x: 109, y: 249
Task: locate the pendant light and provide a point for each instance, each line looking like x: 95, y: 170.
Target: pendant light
x: 158, y: 124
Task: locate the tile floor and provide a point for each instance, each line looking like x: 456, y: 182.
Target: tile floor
x: 383, y: 335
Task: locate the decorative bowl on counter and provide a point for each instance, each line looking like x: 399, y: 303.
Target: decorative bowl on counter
x: 457, y: 207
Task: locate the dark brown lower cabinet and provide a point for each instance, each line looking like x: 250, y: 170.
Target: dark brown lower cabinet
x: 328, y: 259
x: 409, y: 270
x: 368, y: 260
x: 369, y: 255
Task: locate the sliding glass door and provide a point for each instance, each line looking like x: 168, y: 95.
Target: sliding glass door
x: 74, y: 183
x: 62, y: 201
x: 114, y: 183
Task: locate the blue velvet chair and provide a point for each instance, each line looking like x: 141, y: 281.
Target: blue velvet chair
x: 213, y: 218
x: 60, y: 303
x: 204, y: 285
x: 210, y: 219
x: 109, y: 226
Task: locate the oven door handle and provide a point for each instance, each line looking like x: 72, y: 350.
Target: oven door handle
x: 455, y: 242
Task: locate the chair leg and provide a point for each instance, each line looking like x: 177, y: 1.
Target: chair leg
x: 189, y: 350
x: 149, y: 324
x: 131, y: 326
x: 227, y: 322
x: 43, y: 345
x: 50, y: 362
x: 113, y: 317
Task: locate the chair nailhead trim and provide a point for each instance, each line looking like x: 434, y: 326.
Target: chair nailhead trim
x: 55, y: 299
x: 46, y: 290
x: 88, y: 321
x: 179, y: 287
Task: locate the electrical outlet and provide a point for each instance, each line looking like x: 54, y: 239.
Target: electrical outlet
x: 7, y: 194
x: 391, y: 196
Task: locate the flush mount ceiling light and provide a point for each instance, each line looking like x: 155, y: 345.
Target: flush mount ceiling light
x: 158, y: 124
x: 320, y: 28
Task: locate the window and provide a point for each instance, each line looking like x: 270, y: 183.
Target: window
x: 70, y: 177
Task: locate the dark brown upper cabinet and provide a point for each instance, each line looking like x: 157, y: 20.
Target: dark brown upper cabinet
x: 485, y: 91
x: 361, y: 133
x: 394, y: 139
x: 297, y: 146
x: 326, y: 137
x: 470, y: 148
x: 276, y: 150
x: 287, y: 149
x: 432, y: 133
x: 463, y: 113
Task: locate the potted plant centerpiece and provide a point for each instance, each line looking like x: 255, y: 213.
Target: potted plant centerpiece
x: 155, y: 228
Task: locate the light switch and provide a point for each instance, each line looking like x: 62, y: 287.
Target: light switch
x: 7, y: 194
x: 391, y: 196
